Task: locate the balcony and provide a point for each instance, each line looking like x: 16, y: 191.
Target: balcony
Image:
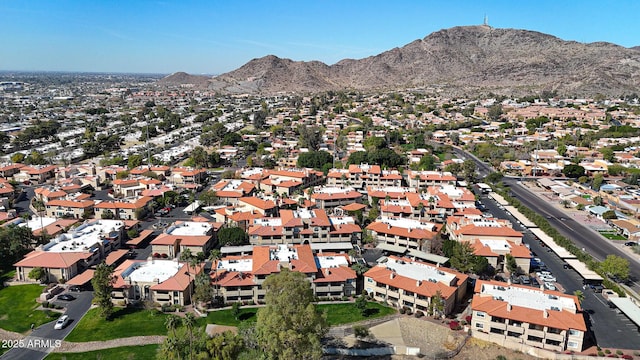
x: 498, y: 325
x: 515, y: 329
x: 536, y: 333
x: 555, y: 337
x: 162, y: 297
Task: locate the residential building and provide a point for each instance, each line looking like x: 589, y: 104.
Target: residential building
x: 193, y: 235
x: 240, y: 278
x: 329, y: 197
x: 407, y: 283
x: 166, y: 282
x: 519, y: 316
x: 405, y: 233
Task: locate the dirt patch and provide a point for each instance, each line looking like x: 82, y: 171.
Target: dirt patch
x: 476, y: 349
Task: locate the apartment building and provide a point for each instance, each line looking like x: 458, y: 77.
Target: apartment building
x: 329, y: 197
x: 303, y: 226
x: 193, y: 235
x: 240, y: 278
x: 229, y: 191
x: 423, y: 179
x: 71, y: 253
x: 125, y: 210
x: 166, y: 282
x: 405, y: 233
x: 403, y: 282
x: 471, y: 228
x: 519, y: 316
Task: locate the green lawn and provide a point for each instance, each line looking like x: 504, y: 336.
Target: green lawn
x: 612, y: 235
x: 337, y: 314
x: 126, y: 322
x: 18, y: 308
x: 142, y: 352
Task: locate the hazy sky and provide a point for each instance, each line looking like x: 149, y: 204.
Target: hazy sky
x: 217, y: 36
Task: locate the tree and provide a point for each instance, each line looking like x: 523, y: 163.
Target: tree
x: 15, y: 243
x: 37, y: 273
x: 189, y: 321
x: 494, y: 112
x: 203, y: 292
x: 462, y: 257
x: 200, y: 157
x: 361, y: 304
x: 609, y: 215
x: 289, y: 327
x: 208, y: 197
x: 615, y: 266
x: 314, y: 159
x: 191, y: 261
x: 494, y: 177
x: 573, y: 171
x: 232, y: 236
x: 361, y: 332
x: 310, y: 137
x: 511, y: 264
x: 134, y: 161
x: 579, y: 295
x: 597, y: 182
x: 436, y: 305
x: 235, y: 309
x: 102, y: 283
x: 225, y: 346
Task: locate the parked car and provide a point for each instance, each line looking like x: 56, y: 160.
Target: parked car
x: 66, y: 297
x: 631, y: 243
x: 596, y: 288
x: 549, y: 285
x: 499, y: 278
x: 524, y: 280
x: 75, y: 288
x: 515, y: 280
x: 534, y: 282
x: 62, y: 322
x: 548, y: 278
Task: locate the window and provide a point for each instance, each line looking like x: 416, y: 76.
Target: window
x: 575, y: 332
x: 572, y: 344
x: 479, y: 325
x: 479, y: 314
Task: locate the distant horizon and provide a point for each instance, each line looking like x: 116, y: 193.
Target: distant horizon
x: 212, y: 38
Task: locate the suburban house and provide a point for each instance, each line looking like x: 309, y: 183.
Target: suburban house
x: 403, y: 282
x: 520, y: 316
x: 240, y: 278
x: 37, y: 174
x: 166, y: 282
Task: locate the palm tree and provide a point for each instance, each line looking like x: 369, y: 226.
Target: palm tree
x: 580, y: 295
x: 172, y: 322
x: 189, y: 321
x: 421, y: 209
x: 191, y: 261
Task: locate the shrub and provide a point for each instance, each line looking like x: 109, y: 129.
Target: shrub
x: 454, y: 325
x: 155, y: 255
x: 619, y: 352
x: 600, y: 353
x: 45, y: 304
x: 607, y: 351
x: 401, y: 311
x: 419, y: 314
x: 626, y: 357
x: 468, y: 319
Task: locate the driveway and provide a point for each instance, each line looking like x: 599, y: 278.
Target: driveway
x: 45, y: 338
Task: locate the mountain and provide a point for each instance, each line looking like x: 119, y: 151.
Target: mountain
x: 457, y: 61
x: 182, y: 78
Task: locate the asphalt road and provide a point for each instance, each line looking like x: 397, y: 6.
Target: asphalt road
x: 43, y: 339
x: 606, y: 327
x: 582, y: 236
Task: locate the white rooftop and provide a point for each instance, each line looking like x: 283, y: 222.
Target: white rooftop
x: 397, y: 202
x: 37, y: 222
x: 232, y: 185
x: 85, y: 237
x: 341, y: 220
x: 451, y: 190
x: 251, y: 172
x: 268, y: 222
x: 304, y: 213
x: 393, y: 189
x: 528, y: 297
x: 406, y: 223
x: 283, y: 253
x: 484, y: 222
x: 326, y: 262
x: 333, y: 190
x: 419, y: 271
x: 152, y: 271
x: 189, y: 228
x: 496, y: 245
x: 244, y: 265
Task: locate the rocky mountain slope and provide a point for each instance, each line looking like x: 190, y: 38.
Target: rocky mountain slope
x: 460, y: 60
